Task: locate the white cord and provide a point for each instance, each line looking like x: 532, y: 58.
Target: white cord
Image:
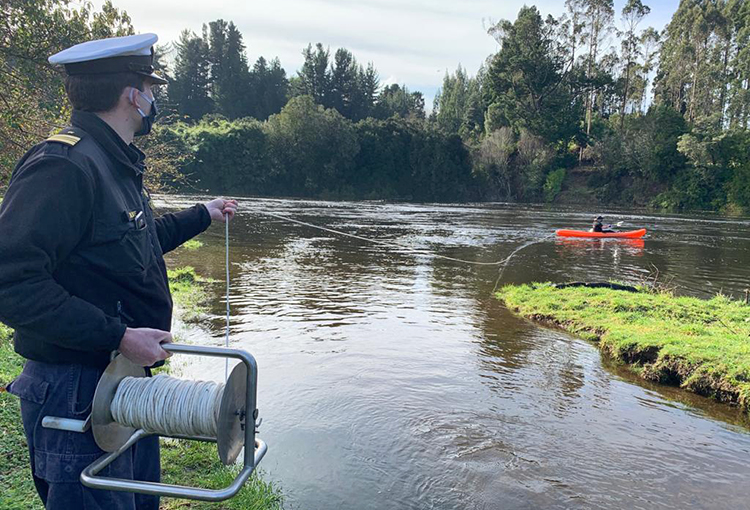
x: 501, y: 263
x: 168, y: 406
x: 226, y: 339
x: 383, y: 243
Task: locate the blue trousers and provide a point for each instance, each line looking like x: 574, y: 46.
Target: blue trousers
x: 58, y: 457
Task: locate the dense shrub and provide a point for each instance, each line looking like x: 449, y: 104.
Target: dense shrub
x: 553, y: 184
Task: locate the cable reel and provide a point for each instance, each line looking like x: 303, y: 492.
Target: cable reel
x: 235, y: 425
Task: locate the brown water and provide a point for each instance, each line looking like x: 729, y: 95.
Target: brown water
x: 390, y: 380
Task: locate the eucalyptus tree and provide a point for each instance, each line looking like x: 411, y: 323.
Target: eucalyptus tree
x: 738, y: 107
x: 632, y: 15
x: 575, y: 13
x: 650, y: 42
x: 689, y: 75
x: 598, y: 18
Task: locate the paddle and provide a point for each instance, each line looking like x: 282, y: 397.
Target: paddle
x: 609, y: 227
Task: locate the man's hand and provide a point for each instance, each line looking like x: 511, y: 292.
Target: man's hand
x: 142, y: 346
x: 218, y: 207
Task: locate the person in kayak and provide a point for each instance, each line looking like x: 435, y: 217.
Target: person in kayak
x: 598, y: 227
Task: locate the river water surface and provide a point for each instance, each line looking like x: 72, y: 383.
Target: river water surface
x: 393, y: 380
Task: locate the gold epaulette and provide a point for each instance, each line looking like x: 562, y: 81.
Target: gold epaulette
x: 64, y: 138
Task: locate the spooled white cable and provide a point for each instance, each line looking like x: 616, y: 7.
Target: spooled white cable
x: 226, y: 339
x: 168, y: 406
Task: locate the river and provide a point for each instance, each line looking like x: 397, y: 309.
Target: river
x: 394, y: 380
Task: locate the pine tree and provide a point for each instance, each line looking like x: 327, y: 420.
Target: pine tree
x: 269, y: 88
x: 526, y: 85
x: 236, y: 76
x: 396, y: 100
x: 314, y: 76
x: 189, y: 90
x: 230, y: 77
x: 369, y: 85
x: 458, y: 106
x: 217, y: 39
x: 344, y: 87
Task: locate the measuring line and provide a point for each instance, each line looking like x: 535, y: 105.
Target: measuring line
x: 382, y: 243
x: 501, y: 263
x: 226, y: 339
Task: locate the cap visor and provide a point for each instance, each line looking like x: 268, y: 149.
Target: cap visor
x: 155, y: 78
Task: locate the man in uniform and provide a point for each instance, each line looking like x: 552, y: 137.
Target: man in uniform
x: 82, y: 271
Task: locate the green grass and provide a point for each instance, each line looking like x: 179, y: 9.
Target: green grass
x: 701, y: 345
x: 197, y: 464
x: 187, y: 292
x: 15, y: 477
x: 183, y: 462
x: 191, y: 245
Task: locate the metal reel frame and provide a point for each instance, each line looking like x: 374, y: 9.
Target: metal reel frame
x: 252, y: 457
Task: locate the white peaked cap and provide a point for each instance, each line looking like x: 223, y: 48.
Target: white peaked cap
x: 131, y: 53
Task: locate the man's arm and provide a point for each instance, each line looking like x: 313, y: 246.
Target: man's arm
x: 44, y: 215
x: 174, y: 229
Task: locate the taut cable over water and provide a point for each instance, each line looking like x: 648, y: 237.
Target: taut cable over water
x: 226, y: 262
x: 502, y: 264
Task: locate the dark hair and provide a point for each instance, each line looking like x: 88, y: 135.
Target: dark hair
x: 99, y: 92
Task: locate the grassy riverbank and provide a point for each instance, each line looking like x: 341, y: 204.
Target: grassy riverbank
x: 700, y: 345
x: 15, y: 477
x: 183, y: 462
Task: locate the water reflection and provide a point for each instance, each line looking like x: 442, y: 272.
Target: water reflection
x: 633, y: 246
x: 394, y: 380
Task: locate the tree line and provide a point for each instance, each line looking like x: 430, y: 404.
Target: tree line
x: 211, y: 76
x: 308, y: 150
x: 591, y: 102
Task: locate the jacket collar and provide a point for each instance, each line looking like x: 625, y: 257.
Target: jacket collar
x: 127, y: 155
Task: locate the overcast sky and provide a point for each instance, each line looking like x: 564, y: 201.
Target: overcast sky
x: 411, y: 42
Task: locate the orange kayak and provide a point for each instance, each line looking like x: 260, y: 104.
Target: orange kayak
x: 631, y: 234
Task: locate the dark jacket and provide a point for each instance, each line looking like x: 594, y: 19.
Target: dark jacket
x: 81, y: 255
